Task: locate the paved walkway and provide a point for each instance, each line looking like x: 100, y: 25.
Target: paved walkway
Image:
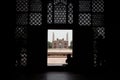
x: 56, y: 61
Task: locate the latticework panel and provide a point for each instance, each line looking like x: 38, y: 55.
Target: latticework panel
x: 21, y: 32
x: 22, y: 8
x: 95, y: 54
x: 98, y: 5
x: 22, y: 19
x: 70, y: 13
x: 50, y: 13
x: 84, y: 19
x: 60, y: 1
x: 99, y: 32
x: 84, y: 5
x: 98, y: 20
x: 60, y: 14
x: 23, y: 55
x: 35, y: 19
x: 35, y: 5
x: 95, y: 60
x: 22, y: 5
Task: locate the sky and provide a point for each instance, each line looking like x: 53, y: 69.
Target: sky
x: 60, y: 34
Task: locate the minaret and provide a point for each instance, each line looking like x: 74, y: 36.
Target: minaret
x: 67, y: 36
x: 67, y: 39
x: 53, y: 36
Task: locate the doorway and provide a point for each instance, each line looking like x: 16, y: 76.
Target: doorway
x: 59, y: 45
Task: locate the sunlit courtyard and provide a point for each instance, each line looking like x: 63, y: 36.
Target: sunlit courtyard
x: 59, y: 46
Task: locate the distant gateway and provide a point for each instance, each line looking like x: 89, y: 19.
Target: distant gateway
x: 59, y: 48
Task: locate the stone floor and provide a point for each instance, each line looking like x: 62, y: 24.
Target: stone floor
x: 63, y: 76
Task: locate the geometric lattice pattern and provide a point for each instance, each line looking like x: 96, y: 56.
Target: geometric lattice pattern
x: 60, y: 14
x: 98, y: 19
x: 21, y: 32
x: 70, y: 13
x: 49, y: 15
x: 99, y: 32
x: 35, y: 5
x: 84, y: 19
x: 35, y: 19
x: 98, y: 5
x: 60, y: 1
x: 95, y: 60
x: 21, y: 19
x: 22, y: 5
x: 23, y: 55
x: 84, y: 6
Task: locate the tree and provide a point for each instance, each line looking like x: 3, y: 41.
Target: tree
x: 49, y: 44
